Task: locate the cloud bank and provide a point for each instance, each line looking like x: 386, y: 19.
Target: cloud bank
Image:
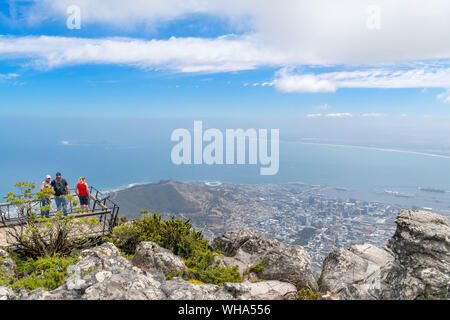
x: 319, y: 31
x: 409, y: 49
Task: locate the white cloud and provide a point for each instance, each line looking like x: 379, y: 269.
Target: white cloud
x: 444, y: 96
x: 314, y: 115
x: 419, y: 77
x: 9, y: 76
x: 287, y: 36
x: 220, y: 54
x: 339, y: 115
x: 315, y: 31
x: 287, y: 82
x: 372, y: 115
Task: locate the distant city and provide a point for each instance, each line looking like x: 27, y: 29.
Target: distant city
x: 297, y: 213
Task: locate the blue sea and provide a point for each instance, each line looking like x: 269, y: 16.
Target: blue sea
x: 114, y: 153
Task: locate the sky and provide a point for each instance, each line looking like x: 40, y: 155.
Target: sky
x: 312, y: 60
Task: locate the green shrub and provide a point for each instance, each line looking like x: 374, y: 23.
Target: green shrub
x: 306, y: 294
x: 173, y: 234
x: 179, y: 237
x: 42, y: 272
x: 172, y: 275
x: 257, y: 268
x: 5, y: 279
x: 203, y: 267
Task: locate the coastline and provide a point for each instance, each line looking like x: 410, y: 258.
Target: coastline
x: 378, y: 149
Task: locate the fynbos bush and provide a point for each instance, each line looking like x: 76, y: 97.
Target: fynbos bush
x: 179, y: 237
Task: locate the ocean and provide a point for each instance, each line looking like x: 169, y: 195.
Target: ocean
x: 115, y: 153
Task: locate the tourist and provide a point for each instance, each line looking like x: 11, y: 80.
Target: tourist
x: 82, y: 191
x: 45, y: 199
x: 61, y: 188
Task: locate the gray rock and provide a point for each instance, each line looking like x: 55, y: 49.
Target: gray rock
x: 414, y: 265
x: 152, y: 255
x: 242, y: 259
x: 102, y: 273
x: 354, y: 273
x: 248, y: 247
x: 421, y: 245
x: 179, y: 289
x: 38, y: 294
x: 7, y: 265
x: 102, y: 258
x: 289, y: 264
x: 263, y: 290
x: 6, y: 293
x: 127, y: 284
x: 249, y: 240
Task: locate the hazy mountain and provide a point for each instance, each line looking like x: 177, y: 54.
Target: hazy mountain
x: 201, y: 205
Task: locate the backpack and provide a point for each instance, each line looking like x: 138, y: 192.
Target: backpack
x: 59, y: 187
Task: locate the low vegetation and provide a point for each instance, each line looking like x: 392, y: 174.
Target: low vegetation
x: 306, y: 294
x: 257, y: 268
x: 46, y: 272
x: 179, y: 237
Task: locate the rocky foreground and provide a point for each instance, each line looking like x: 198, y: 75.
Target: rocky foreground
x: 415, y: 264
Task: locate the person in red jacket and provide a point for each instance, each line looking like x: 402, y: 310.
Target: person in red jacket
x: 82, y: 191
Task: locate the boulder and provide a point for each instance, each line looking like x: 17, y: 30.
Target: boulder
x: 151, y: 255
x: 249, y: 240
x: 421, y: 245
x: 248, y: 247
x: 415, y: 264
x: 7, y: 265
x: 6, y: 293
x: 354, y: 273
x: 262, y: 290
x: 105, y: 257
x: 290, y: 264
x: 179, y: 289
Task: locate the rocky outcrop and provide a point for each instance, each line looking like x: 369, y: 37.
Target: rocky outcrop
x: 6, y: 293
x: 354, y: 273
x: 289, y: 264
x: 179, y: 289
x: 247, y: 248
x: 151, y: 255
x: 264, y: 290
x: 7, y: 265
x: 249, y: 240
x: 415, y: 264
x: 102, y: 273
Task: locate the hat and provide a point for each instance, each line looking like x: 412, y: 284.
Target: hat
x: 48, y: 176
x: 58, y: 173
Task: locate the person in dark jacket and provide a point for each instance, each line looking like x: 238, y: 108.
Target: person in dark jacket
x: 61, y: 188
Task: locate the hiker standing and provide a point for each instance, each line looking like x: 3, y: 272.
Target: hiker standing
x: 45, y: 200
x: 61, y: 188
x: 82, y: 191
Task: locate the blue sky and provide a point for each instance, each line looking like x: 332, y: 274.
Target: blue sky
x: 210, y: 58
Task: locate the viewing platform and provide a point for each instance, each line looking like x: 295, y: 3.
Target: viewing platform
x: 101, y: 207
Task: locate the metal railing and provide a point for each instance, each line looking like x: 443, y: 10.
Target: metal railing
x: 100, y: 206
